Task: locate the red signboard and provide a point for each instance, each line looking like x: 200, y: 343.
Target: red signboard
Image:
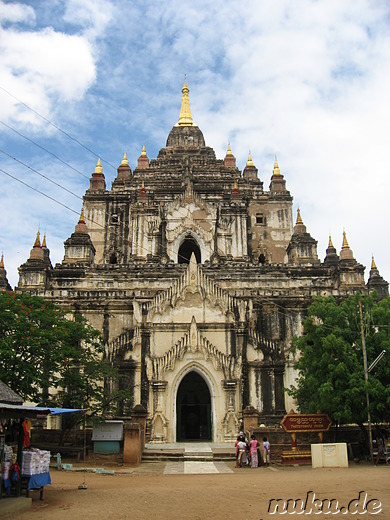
x: 306, y: 422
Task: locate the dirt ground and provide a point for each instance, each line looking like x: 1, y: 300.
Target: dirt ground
x: 147, y: 493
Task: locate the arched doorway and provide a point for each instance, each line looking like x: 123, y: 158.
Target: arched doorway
x: 188, y: 247
x: 193, y: 409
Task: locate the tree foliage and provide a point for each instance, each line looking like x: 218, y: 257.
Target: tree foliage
x: 44, y: 347
x: 330, y: 359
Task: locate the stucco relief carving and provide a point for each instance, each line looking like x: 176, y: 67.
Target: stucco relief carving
x: 192, y: 341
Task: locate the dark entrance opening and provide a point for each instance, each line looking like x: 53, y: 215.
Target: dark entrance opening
x: 193, y: 409
x: 188, y: 247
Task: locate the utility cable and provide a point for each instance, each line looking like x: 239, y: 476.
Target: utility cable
x: 44, y: 149
x: 55, y: 126
x: 41, y: 174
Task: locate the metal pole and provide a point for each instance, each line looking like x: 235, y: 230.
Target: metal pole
x: 366, y: 380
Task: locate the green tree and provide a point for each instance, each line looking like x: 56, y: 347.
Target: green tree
x: 330, y: 359
x: 44, y: 347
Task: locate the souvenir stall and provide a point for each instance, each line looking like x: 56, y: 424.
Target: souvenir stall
x: 23, y: 467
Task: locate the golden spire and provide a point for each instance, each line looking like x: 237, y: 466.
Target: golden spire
x: 143, y: 153
x: 44, y: 241
x: 235, y: 187
x: 229, y: 151
x: 330, y: 242
x: 37, y: 242
x: 276, y: 168
x: 345, y: 241
x: 81, y: 219
x: 299, y: 218
x: 99, y: 168
x: 2, y: 261
x: 125, y: 162
x: 185, y: 117
x: 373, y: 264
x: 249, y: 161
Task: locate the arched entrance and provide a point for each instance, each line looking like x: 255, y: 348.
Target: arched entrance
x: 186, y: 249
x: 193, y: 409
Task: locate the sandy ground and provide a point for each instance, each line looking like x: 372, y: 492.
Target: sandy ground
x: 147, y: 492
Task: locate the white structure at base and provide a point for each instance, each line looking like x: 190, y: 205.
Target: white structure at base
x: 331, y: 455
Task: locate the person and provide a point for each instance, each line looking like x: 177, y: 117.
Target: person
x: 267, y: 451
x: 253, y: 452
x: 381, y: 450
x: 241, y: 454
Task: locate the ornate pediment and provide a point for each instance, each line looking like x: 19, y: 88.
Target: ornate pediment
x: 193, y: 282
x: 192, y: 341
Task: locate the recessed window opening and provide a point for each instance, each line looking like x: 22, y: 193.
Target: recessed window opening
x: 188, y: 247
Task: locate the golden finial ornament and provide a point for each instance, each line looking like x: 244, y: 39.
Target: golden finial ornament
x: 44, y: 241
x: 345, y: 241
x: 125, y: 162
x: 249, y: 161
x: 37, y: 242
x: 330, y: 242
x: 99, y: 168
x: 185, y: 117
x: 373, y: 264
x: 229, y: 151
x: 2, y: 261
x: 276, y: 168
x: 143, y: 153
x: 299, y: 218
x: 235, y: 187
x: 143, y: 191
x: 82, y: 219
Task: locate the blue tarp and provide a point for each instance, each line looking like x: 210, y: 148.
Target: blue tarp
x: 37, y: 410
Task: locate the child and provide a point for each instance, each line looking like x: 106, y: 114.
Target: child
x: 267, y: 451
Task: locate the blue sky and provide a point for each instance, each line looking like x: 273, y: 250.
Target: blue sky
x: 307, y: 81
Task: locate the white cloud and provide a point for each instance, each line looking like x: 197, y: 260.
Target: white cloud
x: 16, y: 12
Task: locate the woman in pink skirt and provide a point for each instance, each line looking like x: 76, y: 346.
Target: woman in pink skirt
x: 253, y: 449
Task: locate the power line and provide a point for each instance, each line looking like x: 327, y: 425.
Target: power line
x: 38, y: 191
x: 44, y: 149
x: 41, y: 174
x: 55, y: 126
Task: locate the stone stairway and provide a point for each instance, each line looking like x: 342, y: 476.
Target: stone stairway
x: 191, y: 451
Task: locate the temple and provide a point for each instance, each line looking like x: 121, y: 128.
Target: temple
x: 198, y: 277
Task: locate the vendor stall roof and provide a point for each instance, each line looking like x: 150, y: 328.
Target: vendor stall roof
x: 9, y: 410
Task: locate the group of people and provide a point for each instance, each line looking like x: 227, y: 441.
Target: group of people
x: 252, y: 453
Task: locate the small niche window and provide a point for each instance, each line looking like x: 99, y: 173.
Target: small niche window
x: 113, y: 259
x: 260, y: 218
x: 114, y: 218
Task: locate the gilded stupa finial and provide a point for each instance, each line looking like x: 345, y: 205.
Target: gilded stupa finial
x: 299, y: 218
x: 229, y: 151
x: 185, y: 117
x: 249, y: 161
x: 2, y: 261
x: 143, y: 153
x: 125, y: 162
x: 345, y: 241
x: 330, y: 242
x: 82, y: 219
x: 235, y: 187
x: 142, y: 190
x: 99, y: 168
x: 44, y: 241
x: 373, y: 264
x: 37, y: 242
x: 276, y: 168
